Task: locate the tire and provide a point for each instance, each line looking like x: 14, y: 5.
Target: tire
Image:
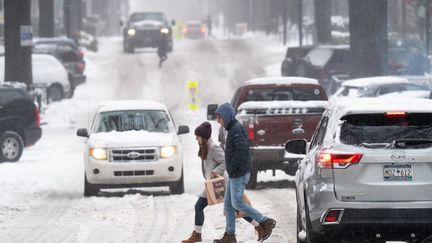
x: 178, y: 186
x: 311, y: 237
x: 252, y: 180
x: 299, y: 227
x: 55, y: 93
x: 89, y: 189
x: 128, y: 48
x: 12, y: 146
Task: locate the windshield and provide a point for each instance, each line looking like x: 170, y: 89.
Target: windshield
x: 121, y: 121
x: 284, y: 94
x: 136, y: 17
x: 384, y: 129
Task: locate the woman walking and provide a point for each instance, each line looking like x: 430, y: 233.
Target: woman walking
x: 212, y: 165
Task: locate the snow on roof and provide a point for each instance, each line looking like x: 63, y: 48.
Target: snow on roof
x: 281, y: 104
x: 282, y: 81
x: 380, y: 105
x: 114, y: 105
x: 381, y: 80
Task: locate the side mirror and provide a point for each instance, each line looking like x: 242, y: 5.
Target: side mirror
x: 173, y: 22
x: 211, y: 112
x: 82, y: 132
x: 296, y: 146
x: 183, y: 130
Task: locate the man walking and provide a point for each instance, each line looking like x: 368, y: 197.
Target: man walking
x: 238, y: 166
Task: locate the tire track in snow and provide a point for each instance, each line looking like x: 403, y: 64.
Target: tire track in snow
x: 159, y: 220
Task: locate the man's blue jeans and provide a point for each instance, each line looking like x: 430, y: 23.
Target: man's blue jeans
x: 234, y: 201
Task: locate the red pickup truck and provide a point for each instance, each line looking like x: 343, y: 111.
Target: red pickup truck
x: 273, y: 111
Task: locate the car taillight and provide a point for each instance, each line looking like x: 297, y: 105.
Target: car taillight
x: 202, y: 30
x: 336, y: 160
x: 395, y: 114
x: 251, y: 131
x: 81, y: 54
x: 81, y: 67
x: 37, y: 116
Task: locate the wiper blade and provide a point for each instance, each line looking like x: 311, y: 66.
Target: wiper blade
x: 410, y: 142
x: 375, y: 145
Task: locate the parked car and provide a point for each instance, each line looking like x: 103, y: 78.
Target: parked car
x: 274, y: 110
x: 292, y: 58
x: 133, y: 144
x: 367, y: 170
x: 19, y: 122
x: 195, y: 30
x: 143, y: 29
x: 48, y: 73
x: 384, y: 86
x: 68, y: 52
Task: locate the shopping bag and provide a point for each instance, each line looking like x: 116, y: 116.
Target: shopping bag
x: 240, y: 214
x: 215, y: 189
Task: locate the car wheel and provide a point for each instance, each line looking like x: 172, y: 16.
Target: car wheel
x: 252, y: 180
x: 12, y: 146
x: 55, y: 93
x: 299, y: 226
x: 128, y: 48
x: 178, y: 186
x: 311, y: 237
x: 89, y: 189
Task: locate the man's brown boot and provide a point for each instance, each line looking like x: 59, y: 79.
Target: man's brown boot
x: 267, y: 226
x: 226, y: 238
x: 195, y: 237
x: 260, y: 231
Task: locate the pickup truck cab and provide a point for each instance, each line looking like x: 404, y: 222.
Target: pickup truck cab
x: 273, y: 111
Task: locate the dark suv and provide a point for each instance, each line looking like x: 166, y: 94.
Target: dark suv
x: 19, y: 122
x: 144, y: 29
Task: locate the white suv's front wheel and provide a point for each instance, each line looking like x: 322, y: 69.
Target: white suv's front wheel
x: 178, y: 186
x: 89, y: 189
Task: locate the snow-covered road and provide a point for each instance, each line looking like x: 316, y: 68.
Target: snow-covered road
x: 41, y: 195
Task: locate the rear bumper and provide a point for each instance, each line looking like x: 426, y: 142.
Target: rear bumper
x: 269, y: 158
x: 31, y: 136
x: 78, y: 79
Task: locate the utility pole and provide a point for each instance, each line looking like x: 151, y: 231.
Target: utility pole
x: 18, y: 40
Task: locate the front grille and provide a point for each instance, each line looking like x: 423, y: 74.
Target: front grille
x: 134, y: 173
x: 154, y: 34
x: 133, y: 154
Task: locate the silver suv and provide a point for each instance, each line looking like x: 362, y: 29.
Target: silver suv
x: 368, y: 168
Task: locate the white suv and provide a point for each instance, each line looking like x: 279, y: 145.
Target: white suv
x: 133, y: 144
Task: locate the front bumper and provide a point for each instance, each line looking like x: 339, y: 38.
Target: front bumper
x: 129, y: 174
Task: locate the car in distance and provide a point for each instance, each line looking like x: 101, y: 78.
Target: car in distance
x: 144, y: 29
x: 195, y: 30
x: 19, y: 122
x: 367, y: 170
x: 133, y: 144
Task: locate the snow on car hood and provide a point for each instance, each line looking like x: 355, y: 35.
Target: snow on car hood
x: 147, y: 24
x: 131, y: 139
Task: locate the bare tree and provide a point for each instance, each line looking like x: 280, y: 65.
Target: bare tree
x: 322, y: 21
x: 18, y: 65
x: 368, y: 37
x: 46, y: 18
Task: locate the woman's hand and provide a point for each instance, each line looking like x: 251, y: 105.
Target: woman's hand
x: 213, y: 175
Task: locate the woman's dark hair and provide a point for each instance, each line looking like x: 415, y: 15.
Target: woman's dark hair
x: 203, y: 150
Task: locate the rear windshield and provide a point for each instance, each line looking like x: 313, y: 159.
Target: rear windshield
x: 299, y: 94
x: 120, y: 121
x: 381, y: 130
x: 9, y: 95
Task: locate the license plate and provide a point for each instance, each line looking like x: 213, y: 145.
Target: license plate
x: 398, y: 172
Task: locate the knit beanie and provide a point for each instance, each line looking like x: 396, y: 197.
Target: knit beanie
x: 204, y: 130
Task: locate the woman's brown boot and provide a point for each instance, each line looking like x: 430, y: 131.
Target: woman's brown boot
x: 195, y: 237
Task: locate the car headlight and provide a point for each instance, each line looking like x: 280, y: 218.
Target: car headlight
x: 167, y: 151
x: 98, y: 153
x: 165, y: 30
x: 131, y: 32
